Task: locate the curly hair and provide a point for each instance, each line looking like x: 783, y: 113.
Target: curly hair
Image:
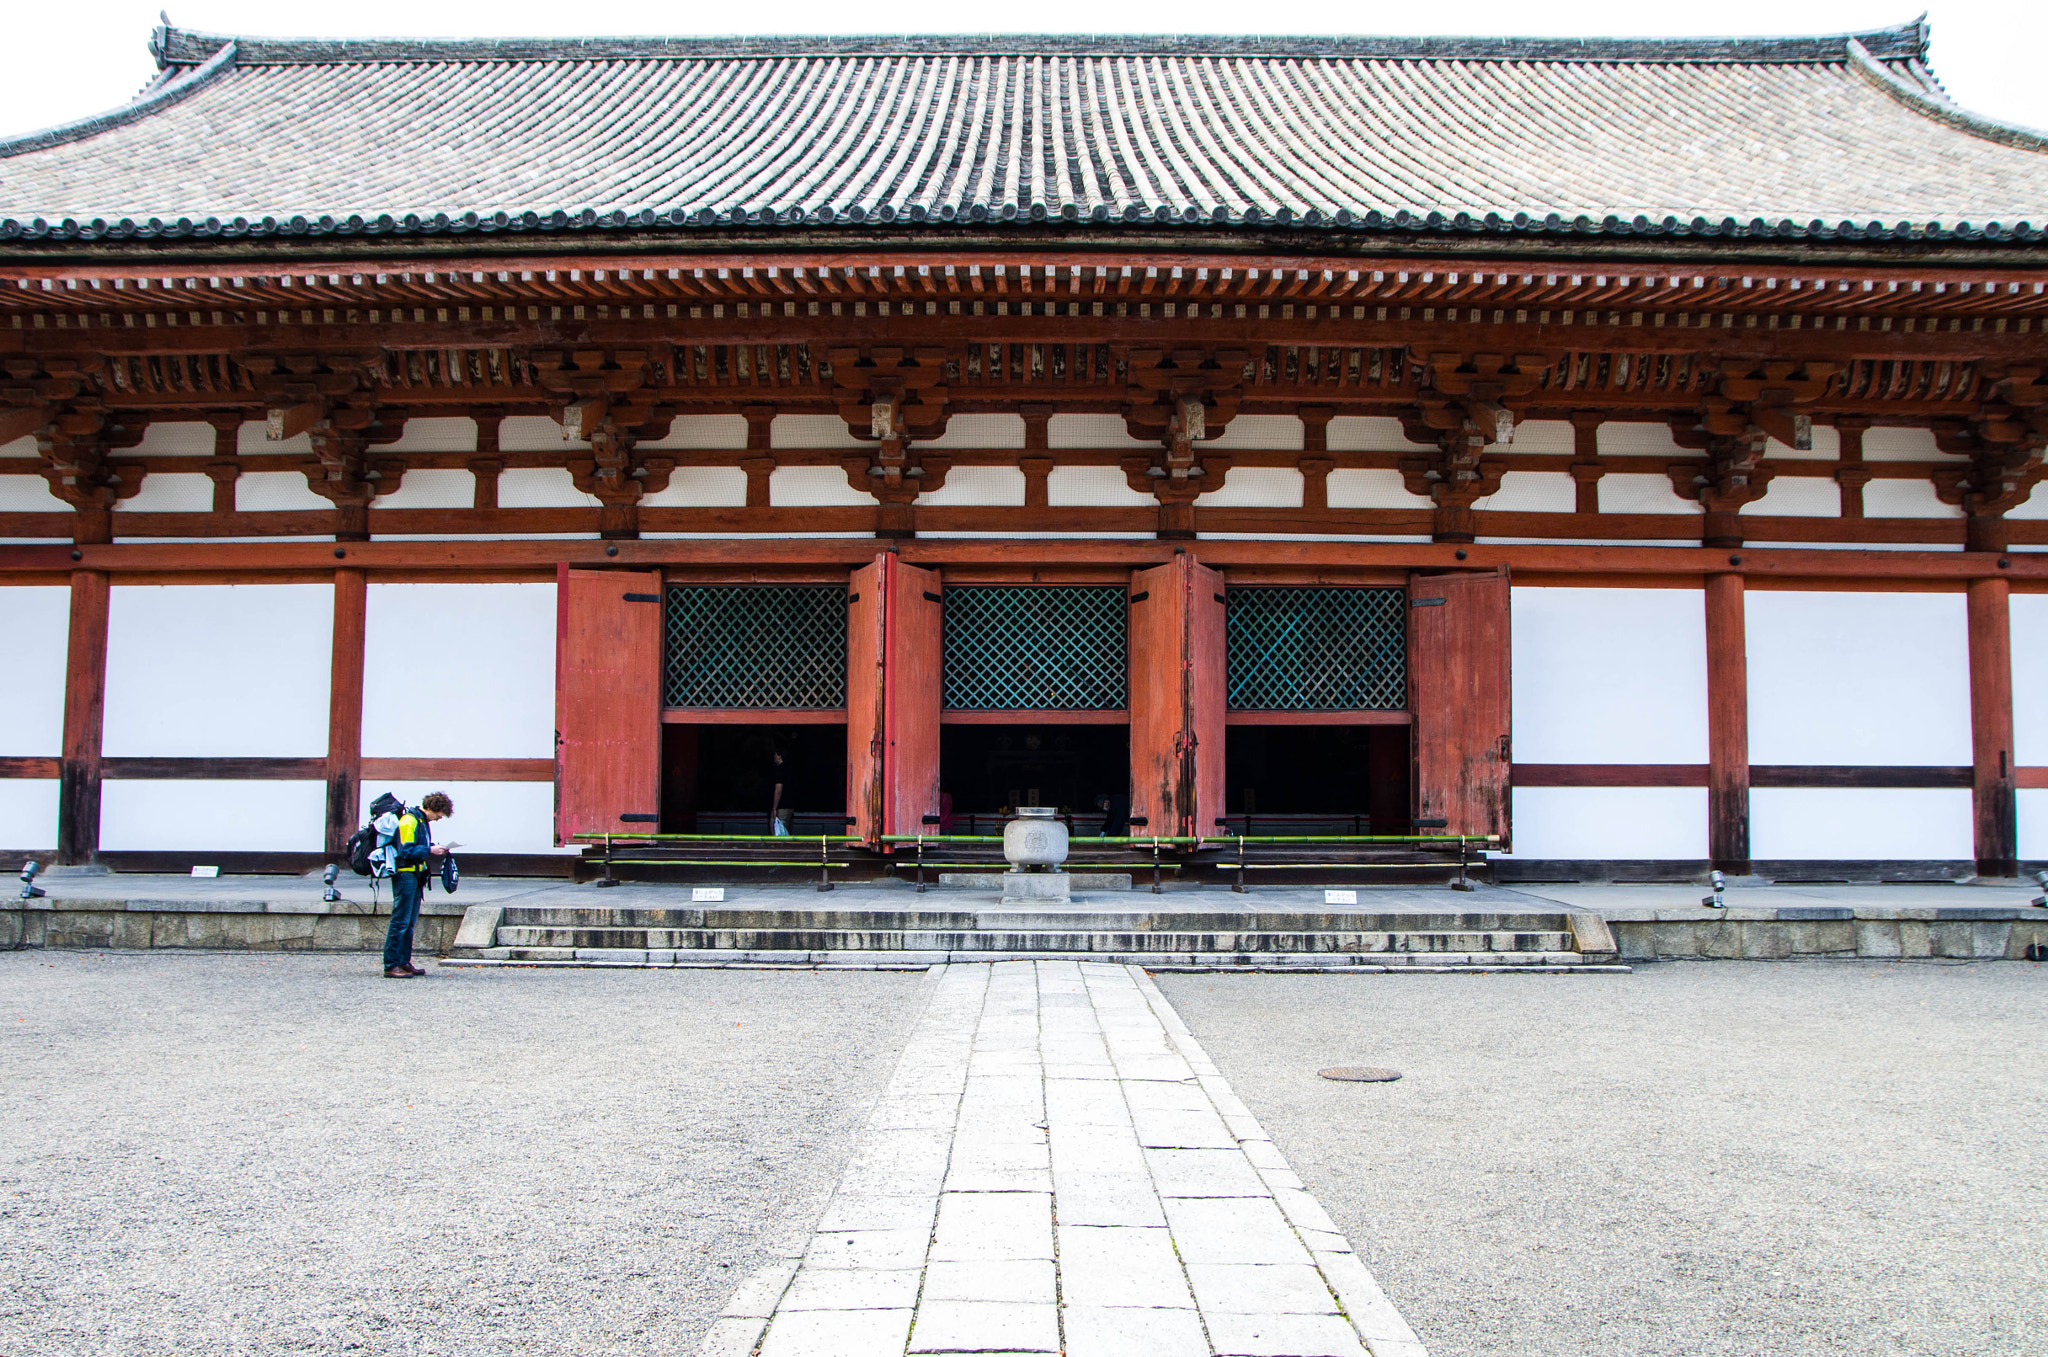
x: 437, y: 802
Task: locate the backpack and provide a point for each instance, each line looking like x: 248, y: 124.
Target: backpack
x: 365, y: 854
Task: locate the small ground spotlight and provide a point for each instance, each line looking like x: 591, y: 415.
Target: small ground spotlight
x: 29, y: 889
x: 330, y: 895
x: 1720, y: 884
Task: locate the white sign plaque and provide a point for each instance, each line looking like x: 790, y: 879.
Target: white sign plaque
x: 714, y: 893
x: 1340, y: 897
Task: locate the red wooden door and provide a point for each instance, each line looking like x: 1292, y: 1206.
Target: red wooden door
x: 1458, y: 691
x: 864, y: 731
x: 1177, y: 698
x: 608, y: 670
x: 892, y: 698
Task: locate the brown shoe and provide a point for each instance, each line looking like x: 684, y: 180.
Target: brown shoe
x: 399, y: 972
x: 414, y: 969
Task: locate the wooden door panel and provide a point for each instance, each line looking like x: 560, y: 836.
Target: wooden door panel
x: 911, y: 670
x: 1207, y: 646
x: 864, y: 735
x: 1458, y: 644
x: 608, y: 672
x: 1158, y: 634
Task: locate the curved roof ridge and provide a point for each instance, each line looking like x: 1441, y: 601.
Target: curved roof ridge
x: 178, y: 47
x: 1940, y: 109
x: 159, y: 94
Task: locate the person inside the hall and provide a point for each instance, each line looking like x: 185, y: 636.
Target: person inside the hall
x: 1116, y: 814
x: 776, y: 823
x: 413, y: 856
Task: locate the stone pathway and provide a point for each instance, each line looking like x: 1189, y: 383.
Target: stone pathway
x: 1057, y: 1168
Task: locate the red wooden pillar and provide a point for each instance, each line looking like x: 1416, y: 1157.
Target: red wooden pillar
x: 893, y: 659
x: 1992, y: 777
x: 608, y: 671
x: 1178, y: 643
x: 345, y: 710
x: 85, y: 703
x: 1458, y: 681
x: 1727, y: 725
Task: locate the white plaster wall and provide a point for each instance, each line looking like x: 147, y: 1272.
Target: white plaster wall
x: 170, y: 492
x: 430, y: 488
x: 704, y: 431
x: 1610, y: 823
x: 438, y: 433
x: 1550, y: 437
x: 1827, y: 447
x: 1002, y: 485
x: 812, y: 431
x: 28, y: 813
x: 1628, y: 439
x: 1533, y: 492
x: 2034, y: 506
x: 1798, y: 497
x: 184, y: 438
x: 1368, y: 433
x: 2030, y: 679
x: 36, y: 620
x: 2033, y: 809
x: 1640, y: 493
x: 1263, y: 432
x: 490, y: 817
x: 1882, y: 823
x: 701, y: 487
x: 459, y: 671
x: 1905, y: 499
x: 1256, y: 487
x: 212, y: 817
x: 218, y: 670
x: 1370, y: 489
x: 981, y: 431
x: 1609, y: 676
x: 1101, y: 486
x: 29, y: 495
x: 541, y: 487
x: 1900, y: 445
x: 25, y: 446
x: 534, y: 433
x: 1091, y: 431
x: 275, y: 491
x: 1850, y: 678
x: 790, y: 486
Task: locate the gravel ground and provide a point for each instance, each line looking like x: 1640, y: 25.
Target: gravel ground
x: 1719, y: 1158
x: 288, y: 1154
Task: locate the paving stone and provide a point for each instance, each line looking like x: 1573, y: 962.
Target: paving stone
x: 849, y: 1212
x: 1025, y: 1281
x: 852, y: 1289
x: 1233, y: 1335
x: 993, y: 1225
x: 868, y: 1249
x: 915, y: 1112
x: 1158, y: 1129
x: 1102, y: 1331
x: 837, y: 1333
x: 731, y: 1337
x: 1232, y: 1230
x: 1083, y: 1102
x: 1204, y: 1173
x: 1256, y: 1289
x: 985, y: 1326
x: 1107, y: 1199
x: 1097, y: 1149
x: 1121, y: 1266
x: 757, y: 1295
x: 1370, y: 1312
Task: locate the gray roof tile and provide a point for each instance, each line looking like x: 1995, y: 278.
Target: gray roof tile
x: 1807, y: 136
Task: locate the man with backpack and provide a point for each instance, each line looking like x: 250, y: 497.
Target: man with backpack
x: 413, y: 848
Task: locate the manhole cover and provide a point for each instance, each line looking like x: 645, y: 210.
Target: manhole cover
x: 1361, y: 1074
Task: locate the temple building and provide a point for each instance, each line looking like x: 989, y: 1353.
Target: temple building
x: 1628, y: 449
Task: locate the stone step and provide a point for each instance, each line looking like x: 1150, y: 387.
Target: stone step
x: 1549, y: 963
x: 1062, y: 940
x: 1156, y: 920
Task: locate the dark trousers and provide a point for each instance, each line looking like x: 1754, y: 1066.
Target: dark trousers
x: 405, y: 913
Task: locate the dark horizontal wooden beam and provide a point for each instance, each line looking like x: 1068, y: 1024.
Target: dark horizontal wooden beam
x: 1608, y: 774
x: 1319, y: 718
x: 1823, y: 775
x: 461, y: 770
x: 1760, y: 775
x: 29, y: 767
x: 221, y: 769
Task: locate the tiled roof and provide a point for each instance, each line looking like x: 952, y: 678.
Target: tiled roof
x: 1846, y: 136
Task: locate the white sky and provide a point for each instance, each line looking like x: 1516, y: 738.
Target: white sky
x: 64, y: 61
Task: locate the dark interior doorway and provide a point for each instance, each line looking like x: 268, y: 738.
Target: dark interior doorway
x: 1356, y: 777
x: 986, y: 769
x: 719, y: 779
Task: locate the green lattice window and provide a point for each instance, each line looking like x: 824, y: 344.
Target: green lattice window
x: 754, y: 645
x: 1035, y: 648
x: 1318, y: 649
